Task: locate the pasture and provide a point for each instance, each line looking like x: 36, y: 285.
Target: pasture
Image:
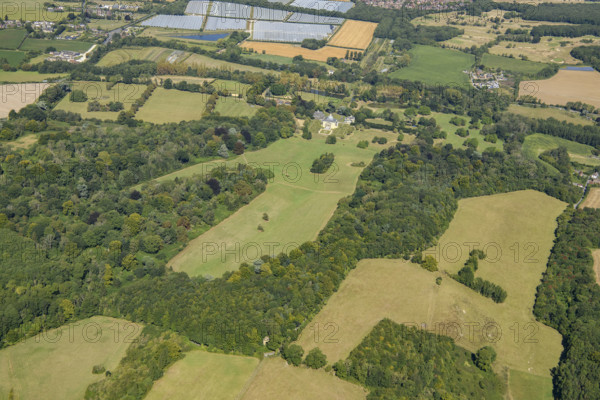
x: 274, y: 377
x: 235, y: 107
x: 537, y: 143
x: 203, y: 375
x: 407, y: 293
x: 524, y: 386
x: 290, y: 50
x: 200, y: 61
x: 125, y: 54
x: 14, y: 58
x: 514, y: 65
x: 58, y: 364
x: 25, y: 76
x: 172, y: 106
x: 298, y: 203
x: 435, y: 65
x: 443, y: 121
x: 592, y: 200
x: 16, y: 96
x: 549, y: 112
x: 354, y: 35
x: 11, y: 38
x: 565, y: 86
x: 58, y: 44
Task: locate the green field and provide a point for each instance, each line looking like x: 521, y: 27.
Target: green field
x: 58, y: 364
x: 172, y: 106
x: 198, y: 60
x: 125, y: 54
x: 434, y: 65
x: 43, y: 44
x: 443, y: 120
x: 269, y: 58
x: 298, y: 204
x: 203, y: 375
x: 234, y: 107
x: 537, y: 143
x: 407, y: 293
x: 512, y: 64
x: 25, y: 76
x: 549, y: 112
x: 14, y: 58
x: 11, y: 38
x: 524, y: 386
x: 318, y: 98
x: 231, y: 86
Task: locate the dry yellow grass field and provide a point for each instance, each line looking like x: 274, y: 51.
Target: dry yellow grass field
x: 15, y: 96
x: 406, y: 293
x: 290, y: 50
x: 274, y: 379
x: 354, y: 35
x: 548, y: 49
x: 565, y: 86
x: 592, y: 200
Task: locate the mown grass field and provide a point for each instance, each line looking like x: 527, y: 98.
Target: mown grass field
x: 11, y: 38
x: 14, y: 58
x: 203, y: 375
x: 435, y: 65
x: 172, y: 106
x: 275, y: 380
x: 125, y: 54
x: 524, y: 386
x: 408, y: 294
x: 235, y: 107
x: 298, y: 203
x: 592, y: 200
x: 549, y: 112
x: 25, y: 76
x: 537, y: 143
x: 512, y: 64
x: 565, y: 86
x: 58, y: 364
x: 58, y: 44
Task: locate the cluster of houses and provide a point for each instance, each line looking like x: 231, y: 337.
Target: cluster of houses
x: 44, y: 26
x: 330, y: 123
x: 108, y: 10
x: 485, y: 80
x: 69, y: 56
x: 414, y: 4
x: 593, y: 179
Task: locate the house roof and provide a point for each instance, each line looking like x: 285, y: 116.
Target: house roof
x: 330, y: 119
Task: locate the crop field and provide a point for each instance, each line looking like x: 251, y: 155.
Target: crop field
x: 298, y: 203
x: 124, y: 93
x: 537, y: 143
x: 203, y: 375
x: 290, y: 50
x: 408, y: 294
x: 549, y: 112
x: 565, y: 86
x: 119, y: 56
x: 43, y: 44
x: 436, y: 66
x: 512, y: 64
x: 14, y: 58
x: 16, y: 96
x: 172, y: 106
x: 11, y: 38
x: 221, y: 24
x: 592, y: 200
x: 354, y: 35
x: 275, y: 31
x: 274, y: 377
x: 58, y: 364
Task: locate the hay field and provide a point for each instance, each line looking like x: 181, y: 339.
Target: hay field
x: 547, y: 112
x: 354, y: 35
x: 15, y: 96
x: 565, y: 86
x: 290, y: 50
x: 592, y: 200
x: 204, y: 375
x: 408, y: 294
x: 276, y: 380
x: 172, y: 106
x: 58, y: 364
x: 125, y: 54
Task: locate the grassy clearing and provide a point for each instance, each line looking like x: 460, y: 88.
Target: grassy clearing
x: 512, y: 64
x: 43, y: 44
x: 537, y: 143
x: 172, y: 106
x: 58, y: 364
x: 235, y: 107
x: 11, y: 38
x: 443, y: 120
x: 565, y: 86
x: 14, y: 58
x: 119, y: 56
x: 435, y: 65
x: 548, y: 112
x: 406, y: 293
x: 524, y: 386
x: 298, y: 203
x: 275, y: 379
x: 592, y: 200
x: 25, y: 76
x: 203, y: 375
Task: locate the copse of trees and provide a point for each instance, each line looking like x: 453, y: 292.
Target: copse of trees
x: 322, y: 164
x: 466, y: 276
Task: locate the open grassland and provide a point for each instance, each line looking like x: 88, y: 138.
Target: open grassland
x: 592, y: 200
x: 16, y: 96
x: 269, y: 58
x: 121, y: 92
x: 275, y: 380
x: 524, y: 386
x: 58, y: 44
x: 14, y: 58
x: 173, y: 106
x: 408, y: 294
x: 298, y: 203
x: 435, y: 65
x: 203, y: 375
x: 231, y: 86
x: 537, y: 143
x: 25, y: 76
x: 11, y: 38
x: 549, y: 49
x: 235, y: 107
x: 354, y: 35
x: 125, y: 54
x: 512, y: 64
x: 549, y: 112
x: 290, y: 50
x: 565, y: 86
x: 58, y: 364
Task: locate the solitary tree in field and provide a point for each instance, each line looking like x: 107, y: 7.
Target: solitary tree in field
x: 315, y: 359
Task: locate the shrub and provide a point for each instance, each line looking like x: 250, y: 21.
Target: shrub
x: 331, y: 139
x: 315, y: 359
x: 363, y: 144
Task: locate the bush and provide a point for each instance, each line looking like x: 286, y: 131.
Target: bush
x: 363, y: 144
x: 462, y: 132
x: 98, y: 369
x: 331, y: 139
x: 293, y: 353
x: 78, y: 96
x: 429, y: 263
x: 315, y: 359
x: 484, y: 358
x: 322, y: 164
